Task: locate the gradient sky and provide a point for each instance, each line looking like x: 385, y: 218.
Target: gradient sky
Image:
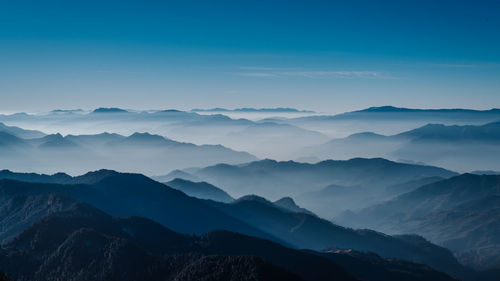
x: 329, y: 56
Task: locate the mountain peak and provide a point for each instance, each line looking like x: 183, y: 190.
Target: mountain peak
x: 109, y: 110
x: 94, y: 176
x: 289, y: 204
x: 147, y: 137
x: 385, y: 108
x: 253, y: 198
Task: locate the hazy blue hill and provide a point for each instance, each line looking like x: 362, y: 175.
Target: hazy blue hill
x: 489, y: 132
x: 247, y: 109
x: 55, y: 141
x: 485, y: 172
x: 144, y: 152
x: 436, y: 196
x: 274, y: 180
x: 287, y: 203
x: 201, y: 190
x: 391, y: 111
x: 460, y: 213
x: 465, y: 147
x: 394, y: 117
x: 281, y: 131
x: 145, y: 139
x: 9, y: 141
x: 20, y: 133
x: 437, y: 132
x: 97, y: 139
x: 109, y: 110
x: 176, y: 174
x: 240, y: 134
x: 401, y: 188
x: 389, y: 108
x: 270, y: 139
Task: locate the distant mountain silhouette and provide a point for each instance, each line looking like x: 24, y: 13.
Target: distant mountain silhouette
x: 437, y: 132
x: 8, y: 141
x: 247, y: 109
x: 485, y: 172
x: 144, y: 139
x: 239, y: 134
x: 466, y: 148
x: 152, y: 154
x: 383, y: 112
x: 401, y: 188
x: 201, y: 190
x: 19, y: 132
x: 109, y: 110
x: 461, y: 213
x: 56, y: 141
x: 389, y: 108
x: 176, y: 174
x: 270, y: 176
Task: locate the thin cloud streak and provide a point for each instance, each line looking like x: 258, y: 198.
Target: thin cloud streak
x: 318, y: 74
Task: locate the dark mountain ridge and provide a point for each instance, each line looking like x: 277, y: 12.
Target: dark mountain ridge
x: 83, y: 243
x: 136, y: 195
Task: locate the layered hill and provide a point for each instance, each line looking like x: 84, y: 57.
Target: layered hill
x: 136, y: 195
x: 147, y: 153
x: 75, y: 241
x: 355, y: 183
x: 201, y: 190
x: 184, y: 126
x: 461, y: 213
x: 464, y: 148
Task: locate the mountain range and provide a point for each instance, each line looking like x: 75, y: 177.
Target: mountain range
x: 281, y: 138
x: 389, y: 120
x: 136, y: 195
x: 185, y: 126
x: 150, y: 154
x: 460, y: 213
x: 80, y: 242
x: 249, y: 109
x: 351, y: 184
x: 463, y: 148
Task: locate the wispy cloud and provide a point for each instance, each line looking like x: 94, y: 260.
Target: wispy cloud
x: 256, y: 74
x: 312, y: 74
x: 455, y: 65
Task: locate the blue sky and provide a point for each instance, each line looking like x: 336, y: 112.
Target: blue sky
x: 329, y: 56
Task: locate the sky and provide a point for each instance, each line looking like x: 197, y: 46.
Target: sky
x: 328, y: 56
